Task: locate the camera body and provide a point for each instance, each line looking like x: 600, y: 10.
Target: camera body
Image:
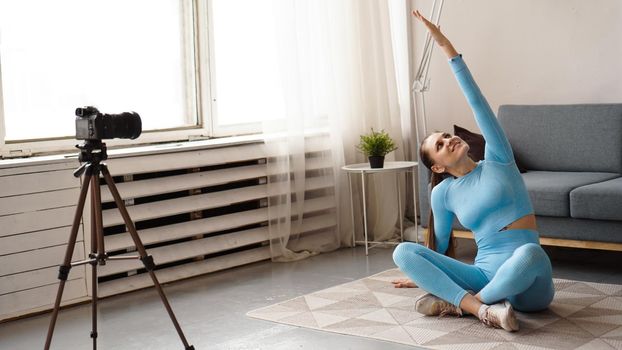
x: 91, y: 124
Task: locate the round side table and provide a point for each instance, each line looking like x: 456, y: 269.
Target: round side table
x: 389, y: 167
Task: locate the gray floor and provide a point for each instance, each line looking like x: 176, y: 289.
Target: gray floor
x: 212, y: 308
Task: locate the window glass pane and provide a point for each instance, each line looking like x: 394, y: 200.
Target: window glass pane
x: 116, y: 55
x: 247, y: 79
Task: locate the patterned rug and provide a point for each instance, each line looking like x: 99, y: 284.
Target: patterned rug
x: 583, y: 316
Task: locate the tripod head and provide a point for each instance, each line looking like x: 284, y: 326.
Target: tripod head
x: 92, y: 152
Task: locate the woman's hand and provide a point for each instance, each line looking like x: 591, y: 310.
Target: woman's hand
x: 403, y: 283
x: 436, y: 34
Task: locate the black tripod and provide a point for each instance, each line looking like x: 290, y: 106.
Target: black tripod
x: 92, y: 152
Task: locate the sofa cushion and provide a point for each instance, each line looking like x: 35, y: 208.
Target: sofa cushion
x: 580, y: 229
x: 600, y: 201
x: 565, y: 137
x: 550, y: 191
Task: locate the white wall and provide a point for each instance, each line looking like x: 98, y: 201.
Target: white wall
x: 525, y: 52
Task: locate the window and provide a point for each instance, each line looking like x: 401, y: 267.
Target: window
x: 148, y: 56
x: 246, y: 78
x: 116, y: 55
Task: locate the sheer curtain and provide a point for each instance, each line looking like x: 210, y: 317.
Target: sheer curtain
x: 338, y: 72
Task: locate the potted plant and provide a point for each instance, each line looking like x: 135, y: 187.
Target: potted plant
x: 375, y: 146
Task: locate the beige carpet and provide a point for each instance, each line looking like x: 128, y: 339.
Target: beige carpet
x: 583, y: 316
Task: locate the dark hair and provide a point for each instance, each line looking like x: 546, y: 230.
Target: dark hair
x: 435, y: 179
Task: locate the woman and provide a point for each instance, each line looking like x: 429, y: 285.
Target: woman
x: 511, y: 270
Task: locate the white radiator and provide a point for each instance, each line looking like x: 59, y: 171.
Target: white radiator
x: 196, y: 210
x: 37, y: 206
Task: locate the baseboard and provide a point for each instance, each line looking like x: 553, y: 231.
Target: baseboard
x: 558, y: 242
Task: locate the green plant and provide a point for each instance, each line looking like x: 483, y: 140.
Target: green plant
x: 376, y: 143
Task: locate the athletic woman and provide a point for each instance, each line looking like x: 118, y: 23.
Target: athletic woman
x: 511, y: 270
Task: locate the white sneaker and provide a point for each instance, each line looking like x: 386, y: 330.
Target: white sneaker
x: 431, y: 305
x: 500, y: 315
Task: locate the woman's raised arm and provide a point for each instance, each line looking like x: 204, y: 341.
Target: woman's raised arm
x: 497, y: 145
x: 441, y: 40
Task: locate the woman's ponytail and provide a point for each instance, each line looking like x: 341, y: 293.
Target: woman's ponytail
x: 430, y: 237
x: 435, y: 179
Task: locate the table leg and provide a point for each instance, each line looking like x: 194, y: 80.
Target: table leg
x: 364, y: 210
x: 352, y: 211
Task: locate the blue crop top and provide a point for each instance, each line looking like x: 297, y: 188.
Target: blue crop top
x: 491, y: 196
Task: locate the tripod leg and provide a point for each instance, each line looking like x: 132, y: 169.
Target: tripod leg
x: 95, y: 227
x: 146, y: 259
x: 101, y: 251
x: 63, y: 272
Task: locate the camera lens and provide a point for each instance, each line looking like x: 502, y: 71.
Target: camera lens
x: 124, y: 125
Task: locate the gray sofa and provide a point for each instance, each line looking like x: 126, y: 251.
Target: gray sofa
x: 573, y: 154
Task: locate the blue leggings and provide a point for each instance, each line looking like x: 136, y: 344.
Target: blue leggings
x: 509, y: 265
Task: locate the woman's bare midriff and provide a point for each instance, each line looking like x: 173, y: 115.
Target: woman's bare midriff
x: 527, y: 222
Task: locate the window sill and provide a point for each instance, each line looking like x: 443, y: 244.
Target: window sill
x: 131, y: 151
